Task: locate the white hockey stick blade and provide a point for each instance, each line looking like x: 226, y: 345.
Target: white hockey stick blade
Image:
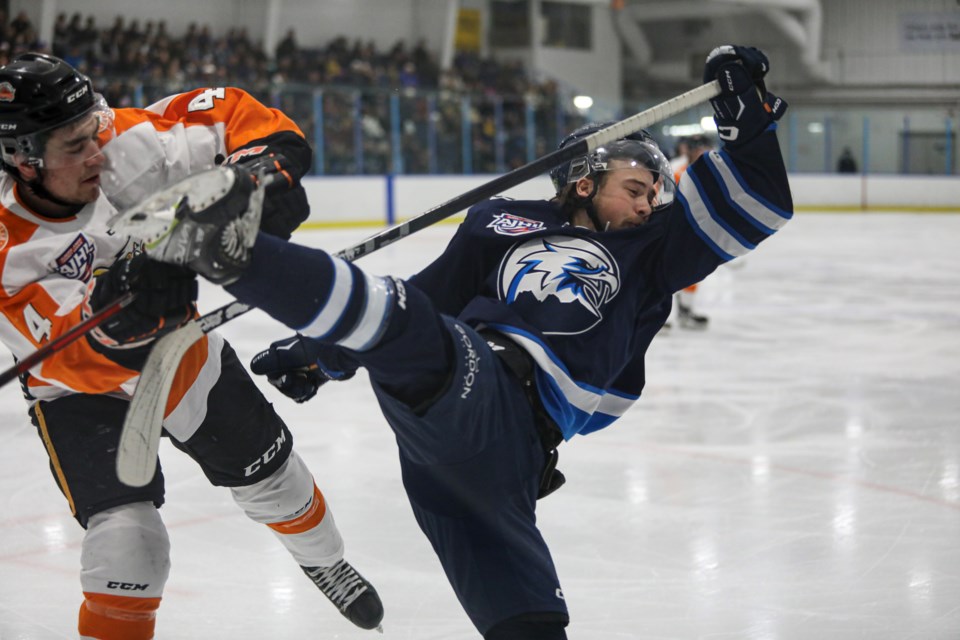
x: 140, y: 438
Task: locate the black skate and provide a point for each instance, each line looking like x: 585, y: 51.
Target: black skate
x: 356, y: 598
x: 687, y: 319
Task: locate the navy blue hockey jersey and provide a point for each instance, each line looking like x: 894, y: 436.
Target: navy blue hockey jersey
x: 584, y: 304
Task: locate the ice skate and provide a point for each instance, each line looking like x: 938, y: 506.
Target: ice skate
x: 350, y: 592
x: 687, y: 319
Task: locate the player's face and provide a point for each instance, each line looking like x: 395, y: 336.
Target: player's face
x: 626, y: 196
x: 73, y: 162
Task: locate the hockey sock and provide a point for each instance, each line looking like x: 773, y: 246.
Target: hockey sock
x: 107, y: 617
x: 125, y: 550
x: 394, y: 328
x: 291, y: 504
x: 413, y: 359
x: 323, y: 297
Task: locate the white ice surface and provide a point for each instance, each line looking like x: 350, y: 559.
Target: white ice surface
x: 792, y: 473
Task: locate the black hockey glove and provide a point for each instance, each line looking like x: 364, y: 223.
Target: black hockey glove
x: 298, y: 366
x: 285, y: 205
x: 165, y: 300
x: 744, y: 108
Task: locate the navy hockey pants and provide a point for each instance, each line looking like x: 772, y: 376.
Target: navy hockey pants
x: 471, y: 465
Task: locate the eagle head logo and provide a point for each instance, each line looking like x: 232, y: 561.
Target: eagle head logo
x: 560, y: 283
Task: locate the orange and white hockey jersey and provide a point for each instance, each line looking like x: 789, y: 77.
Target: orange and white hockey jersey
x: 45, y: 263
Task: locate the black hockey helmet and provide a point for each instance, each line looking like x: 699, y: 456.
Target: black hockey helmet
x: 637, y: 149
x: 648, y: 151
x: 40, y: 93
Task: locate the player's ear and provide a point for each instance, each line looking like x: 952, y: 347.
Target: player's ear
x: 584, y: 187
x: 27, y: 171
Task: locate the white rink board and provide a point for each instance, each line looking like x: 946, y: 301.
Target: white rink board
x: 364, y: 199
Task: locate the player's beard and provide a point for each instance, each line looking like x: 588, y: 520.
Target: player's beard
x: 38, y: 188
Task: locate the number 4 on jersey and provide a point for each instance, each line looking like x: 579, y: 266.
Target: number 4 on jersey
x: 38, y: 326
x: 204, y: 100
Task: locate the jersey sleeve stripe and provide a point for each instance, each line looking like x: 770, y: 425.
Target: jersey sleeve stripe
x: 722, y: 243
x: 373, y: 319
x: 334, y: 306
x: 160, y: 106
x: 760, y: 217
x: 738, y: 192
x: 716, y: 215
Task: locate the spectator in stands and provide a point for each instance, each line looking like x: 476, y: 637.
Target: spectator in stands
x: 156, y: 62
x: 61, y: 35
x: 21, y: 24
x: 287, y: 48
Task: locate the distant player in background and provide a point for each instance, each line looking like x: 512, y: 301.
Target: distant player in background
x: 529, y: 329
x: 846, y: 163
x: 689, y: 150
x: 69, y: 162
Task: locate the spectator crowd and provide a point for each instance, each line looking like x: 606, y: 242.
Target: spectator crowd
x: 134, y: 63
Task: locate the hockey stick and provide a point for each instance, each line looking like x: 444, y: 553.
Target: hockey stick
x: 140, y: 439
x: 62, y: 341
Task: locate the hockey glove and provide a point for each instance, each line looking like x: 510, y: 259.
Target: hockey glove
x: 298, y: 366
x: 165, y: 299
x: 744, y: 108
x: 285, y: 205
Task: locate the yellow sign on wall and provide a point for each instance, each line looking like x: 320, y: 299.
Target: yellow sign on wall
x: 468, y: 30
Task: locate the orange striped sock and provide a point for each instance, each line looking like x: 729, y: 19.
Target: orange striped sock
x: 108, y: 617
x: 307, y: 520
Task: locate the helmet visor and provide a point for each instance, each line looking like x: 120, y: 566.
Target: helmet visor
x: 629, y: 154
x: 69, y: 144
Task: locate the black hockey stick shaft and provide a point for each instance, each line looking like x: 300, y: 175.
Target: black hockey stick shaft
x: 498, y: 185
x: 63, y: 341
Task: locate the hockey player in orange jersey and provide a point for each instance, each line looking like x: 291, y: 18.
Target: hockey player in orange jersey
x: 689, y: 150
x: 70, y: 162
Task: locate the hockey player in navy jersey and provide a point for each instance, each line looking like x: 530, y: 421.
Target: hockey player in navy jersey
x: 528, y: 330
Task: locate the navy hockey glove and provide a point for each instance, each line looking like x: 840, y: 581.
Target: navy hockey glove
x: 165, y: 297
x: 744, y: 108
x: 298, y: 366
x: 285, y: 205
x: 750, y: 58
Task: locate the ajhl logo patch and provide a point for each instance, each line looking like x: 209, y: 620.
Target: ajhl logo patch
x: 76, y: 262
x: 507, y: 224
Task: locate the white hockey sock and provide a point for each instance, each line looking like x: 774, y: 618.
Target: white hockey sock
x: 290, y: 503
